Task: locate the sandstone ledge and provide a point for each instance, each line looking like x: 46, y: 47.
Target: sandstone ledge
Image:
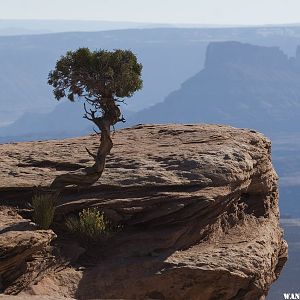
x: 19, y: 241
x: 199, y: 205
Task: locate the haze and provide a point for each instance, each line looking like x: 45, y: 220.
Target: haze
x: 210, y: 12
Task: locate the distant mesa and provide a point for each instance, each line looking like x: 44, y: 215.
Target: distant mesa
x: 241, y: 85
x: 220, y: 54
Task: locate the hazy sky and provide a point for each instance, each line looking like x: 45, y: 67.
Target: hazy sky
x: 166, y: 11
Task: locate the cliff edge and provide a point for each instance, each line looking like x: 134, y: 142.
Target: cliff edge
x: 198, y: 206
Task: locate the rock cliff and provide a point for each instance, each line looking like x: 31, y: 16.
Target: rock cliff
x: 198, y: 205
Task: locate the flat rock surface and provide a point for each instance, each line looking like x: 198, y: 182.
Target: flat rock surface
x: 198, y: 205
x: 149, y: 154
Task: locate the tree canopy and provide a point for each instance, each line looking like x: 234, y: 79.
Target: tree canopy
x: 97, y: 74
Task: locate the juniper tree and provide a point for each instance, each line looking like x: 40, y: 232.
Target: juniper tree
x: 100, y: 79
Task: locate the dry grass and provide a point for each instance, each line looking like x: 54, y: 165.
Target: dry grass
x: 90, y: 225
x: 43, y: 210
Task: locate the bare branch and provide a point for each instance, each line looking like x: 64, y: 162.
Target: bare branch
x: 120, y: 101
x: 91, y: 154
x: 122, y: 119
x: 98, y: 133
x: 86, y: 117
x: 91, y: 101
x: 90, y: 115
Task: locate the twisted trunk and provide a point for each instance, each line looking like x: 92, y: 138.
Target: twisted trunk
x: 89, y: 175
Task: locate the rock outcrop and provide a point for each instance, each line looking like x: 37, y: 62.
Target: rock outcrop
x: 19, y: 242
x: 198, y: 205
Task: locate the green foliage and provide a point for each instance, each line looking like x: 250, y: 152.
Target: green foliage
x: 43, y: 209
x: 91, y: 225
x: 96, y: 74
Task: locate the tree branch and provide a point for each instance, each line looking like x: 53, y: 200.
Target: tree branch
x: 122, y: 119
x: 90, y: 115
x: 98, y: 133
x: 91, y: 154
x: 120, y: 101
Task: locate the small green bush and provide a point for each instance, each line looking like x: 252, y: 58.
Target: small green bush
x: 43, y: 210
x: 91, y: 225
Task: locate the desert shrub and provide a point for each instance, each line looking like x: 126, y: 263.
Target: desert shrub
x: 91, y: 225
x: 43, y: 209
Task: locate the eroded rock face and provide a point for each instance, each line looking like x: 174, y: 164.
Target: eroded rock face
x: 19, y: 241
x: 198, y: 205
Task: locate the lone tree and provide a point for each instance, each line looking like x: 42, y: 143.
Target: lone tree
x: 99, y: 79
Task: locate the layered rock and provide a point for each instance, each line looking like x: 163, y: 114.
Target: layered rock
x: 198, y: 205
x: 19, y: 242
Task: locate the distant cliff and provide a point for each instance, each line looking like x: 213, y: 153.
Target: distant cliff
x: 220, y: 54
x: 241, y: 85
